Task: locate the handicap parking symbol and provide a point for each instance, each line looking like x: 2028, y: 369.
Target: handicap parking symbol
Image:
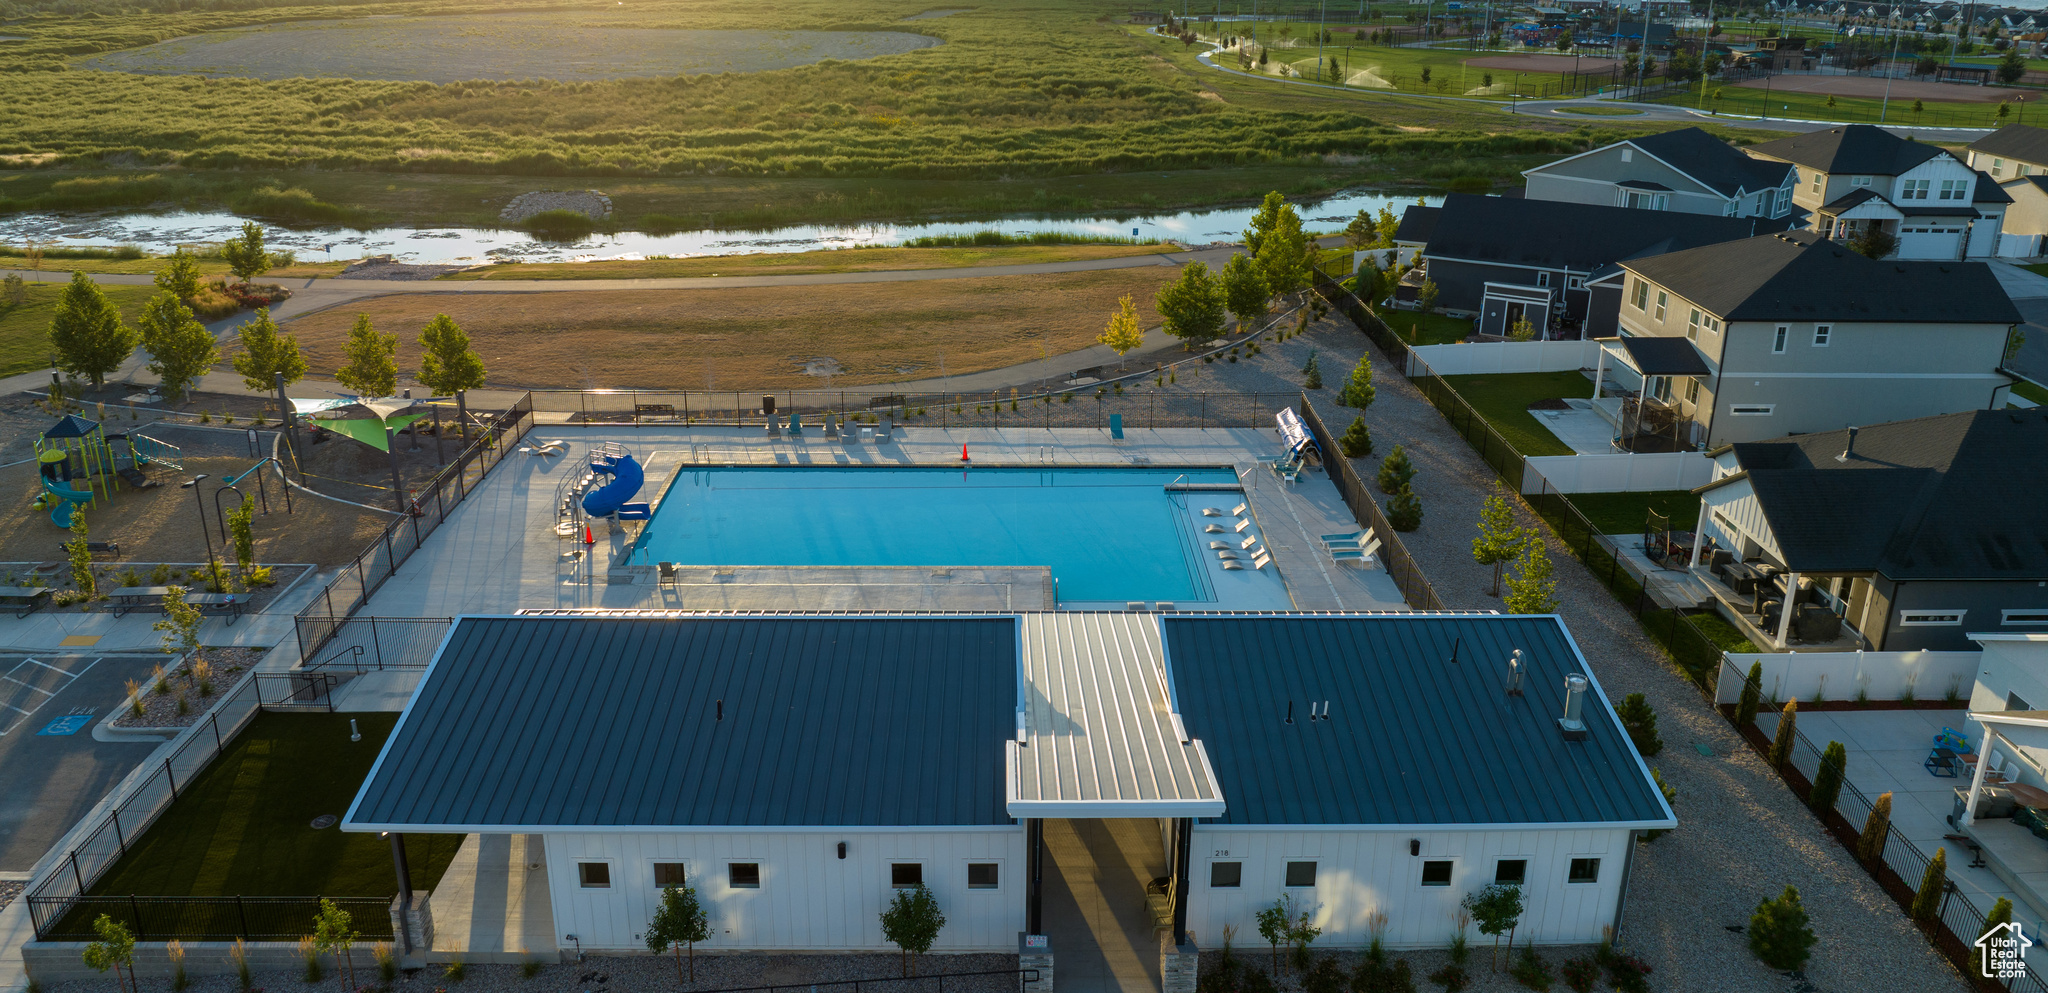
x: 66, y: 725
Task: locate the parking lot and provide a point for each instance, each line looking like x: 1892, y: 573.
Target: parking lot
x: 52, y: 770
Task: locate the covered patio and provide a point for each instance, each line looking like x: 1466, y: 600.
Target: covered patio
x: 1653, y: 419
x: 2005, y: 811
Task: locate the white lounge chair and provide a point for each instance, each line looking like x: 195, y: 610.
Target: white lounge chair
x: 1238, y: 511
x: 1233, y: 566
x: 1215, y: 529
x: 1261, y: 560
x: 1212, y: 512
x: 1214, y: 545
x: 1242, y: 524
x: 1249, y: 541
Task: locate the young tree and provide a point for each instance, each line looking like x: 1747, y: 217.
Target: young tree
x: 79, y: 551
x: 2011, y: 66
x: 115, y: 949
x: 1301, y: 933
x: 1781, y: 743
x: 266, y: 351
x: 1192, y: 307
x: 1532, y: 586
x: 1263, y: 222
x: 1395, y: 471
x: 1752, y: 696
x: 1312, y: 374
x: 1827, y: 780
x: 1274, y: 922
x: 447, y: 363
x: 913, y: 922
x: 1639, y: 719
x: 680, y: 922
x: 180, y: 348
x: 1870, y: 844
x: 372, y: 368
x: 87, y: 331
x: 1404, y: 511
x: 1244, y: 289
x: 1123, y: 332
x: 1779, y: 935
x: 2000, y: 915
x: 1285, y: 252
x: 1356, y: 441
x: 246, y: 256
x: 1522, y: 330
x: 180, y: 625
x: 1360, y: 234
x: 242, y: 535
x: 1358, y: 390
x: 1500, y: 539
x: 1497, y: 910
x: 333, y: 933
x: 180, y: 275
x: 1425, y: 296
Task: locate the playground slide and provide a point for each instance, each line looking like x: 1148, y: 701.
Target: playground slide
x: 611, y: 498
x: 67, y: 498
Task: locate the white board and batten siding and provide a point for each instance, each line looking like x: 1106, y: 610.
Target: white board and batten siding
x: 1361, y: 871
x: 809, y: 899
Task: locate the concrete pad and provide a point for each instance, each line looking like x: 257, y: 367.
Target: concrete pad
x: 386, y: 691
x: 492, y: 904
x: 1095, y: 915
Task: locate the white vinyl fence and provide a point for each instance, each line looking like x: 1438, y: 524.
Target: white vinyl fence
x: 1505, y: 356
x: 1620, y: 473
x: 1809, y: 676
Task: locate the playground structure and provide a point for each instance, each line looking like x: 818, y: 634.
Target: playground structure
x: 76, y: 450
x: 604, y: 489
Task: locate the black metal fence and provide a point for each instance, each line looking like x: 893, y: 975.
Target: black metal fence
x: 59, y: 907
x: 1149, y: 401
x: 367, y: 643
x: 202, y: 918
x: 1400, y: 565
x: 429, y: 505
x: 992, y: 980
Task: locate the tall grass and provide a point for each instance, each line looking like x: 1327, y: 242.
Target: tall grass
x: 117, y: 252
x: 982, y: 239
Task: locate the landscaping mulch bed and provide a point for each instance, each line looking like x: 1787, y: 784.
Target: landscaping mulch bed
x: 114, y: 576
x: 160, y: 701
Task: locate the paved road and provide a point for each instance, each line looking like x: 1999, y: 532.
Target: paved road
x: 52, y: 772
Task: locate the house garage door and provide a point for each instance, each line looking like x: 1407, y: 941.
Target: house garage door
x: 1929, y: 241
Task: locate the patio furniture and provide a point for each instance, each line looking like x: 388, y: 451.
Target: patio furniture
x: 1159, y: 905
x: 1991, y: 802
x: 1812, y: 622
x: 1116, y: 427
x: 128, y: 598
x: 227, y: 604
x: 1976, y: 850
x: 1769, y: 611
x: 1739, y: 577
x: 668, y: 573
x: 25, y: 600
x: 1332, y: 539
x: 1941, y: 762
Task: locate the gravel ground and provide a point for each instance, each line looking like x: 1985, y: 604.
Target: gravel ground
x: 160, y: 710
x: 1742, y: 836
x: 1422, y: 965
x: 9, y: 890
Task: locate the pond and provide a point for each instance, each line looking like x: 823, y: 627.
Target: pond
x: 492, y: 47
x: 161, y: 233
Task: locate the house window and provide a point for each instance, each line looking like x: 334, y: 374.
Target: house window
x: 1816, y: 182
x: 743, y: 875
x: 668, y: 874
x: 1574, y: 283
x: 2022, y: 169
x: 2023, y: 617
x: 594, y: 875
x: 1226, y: 875
x: 1915, y: 189
x: 1860, y: 181
x: 1301, y: 874
x: 1784, y: 203
x: 1692, y: 389
x: 1584, y: 871
x: 1998, y: 167
x: 1952, y: 189
x: 1511, y: 871
x: 1642, y: 295
x: 1436, y: 873
x: 1778, y: 342
x: 1662, y: 299
x: 1692, y: 325
x: 2013, y: 702
x: 1752, y: 409
x: 906, y: 875
x: 1931, y: 618
x: 1543, y: 279
x: 983, y: 875
x: 1821, y: 333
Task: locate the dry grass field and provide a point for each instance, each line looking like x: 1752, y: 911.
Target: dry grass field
x: 754, y: 338
x: 805, y: 263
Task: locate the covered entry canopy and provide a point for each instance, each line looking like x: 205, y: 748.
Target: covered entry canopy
x: 1661, y: 356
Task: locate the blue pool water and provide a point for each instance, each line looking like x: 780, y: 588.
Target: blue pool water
x: 1106, y: 534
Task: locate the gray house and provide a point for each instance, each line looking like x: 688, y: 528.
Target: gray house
x: 1791, y: 333
x: 1859, y: 176
x: 1504, y: 259
x: 1688, y: 171
x: 2015, y: 151
x: 1914, y: 533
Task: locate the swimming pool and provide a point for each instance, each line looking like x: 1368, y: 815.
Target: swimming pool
x: 1106, y: 534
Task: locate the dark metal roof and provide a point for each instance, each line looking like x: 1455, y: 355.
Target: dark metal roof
x: 1418, y: 222
x: 1576, y: 236
x: 2020, y: 142
x: 1665, y: 356
x: 1958, y: 496
x: 70, y: 426
x: 1858, y: 149
x: 1412, y: 739
x: 1799, y: 276
x: 532, y: 722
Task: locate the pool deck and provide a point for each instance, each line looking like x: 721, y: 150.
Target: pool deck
x: 498, y: 552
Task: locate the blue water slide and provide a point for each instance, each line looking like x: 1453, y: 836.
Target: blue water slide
x: 67, y: 498
x: 609, y: 499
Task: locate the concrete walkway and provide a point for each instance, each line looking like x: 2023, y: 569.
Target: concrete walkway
x: 1095, y: 916
x: 492, y: 904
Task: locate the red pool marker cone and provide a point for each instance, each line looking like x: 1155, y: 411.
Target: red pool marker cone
x: 588, y: 538
x: 963, y: 452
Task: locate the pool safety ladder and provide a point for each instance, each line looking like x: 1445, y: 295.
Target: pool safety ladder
x: 569, y: 516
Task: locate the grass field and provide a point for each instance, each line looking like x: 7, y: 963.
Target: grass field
x: 148, y: 265
x: 2031, y: 391
x: 1602, y: 111
x: 1427, y: 329
x: 243, y: 827
x: 756, y: 338
x: 1754, y: 102
x: 799, y: 263
x: 1627, y: 513
x: 25, y: 328
x: 1504, y: 401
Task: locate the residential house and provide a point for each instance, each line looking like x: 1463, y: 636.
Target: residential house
x: 2015, y: 151
x: 1856, y: 176
x: 1686, y: 170
x: 1917, y: 534
x: 2026, y: 221
x: 1506, y: 259
x: 1791, y: 333
x: 800, y: 770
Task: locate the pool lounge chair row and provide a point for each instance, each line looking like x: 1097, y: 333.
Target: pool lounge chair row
x: 1359, y: 545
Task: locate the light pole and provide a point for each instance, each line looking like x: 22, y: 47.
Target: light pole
x: 1891, y: 69
x: 200, y: 502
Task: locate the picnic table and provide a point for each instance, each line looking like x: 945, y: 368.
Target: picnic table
x: 127, y: 598
x: 218, y: 603
x: 24, y: 599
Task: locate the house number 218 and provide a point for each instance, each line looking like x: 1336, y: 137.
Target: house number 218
x: 1220, y: 853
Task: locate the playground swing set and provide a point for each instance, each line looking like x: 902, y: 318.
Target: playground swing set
x: 80, y: 463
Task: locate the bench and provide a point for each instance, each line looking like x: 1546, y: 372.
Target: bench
x: 641, y: 410
x: 127, y: 598
x: 25, y: 600
x: 110, y: 547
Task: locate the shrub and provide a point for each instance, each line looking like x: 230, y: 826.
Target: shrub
x: 1779, y: 935
x: 531, y: 968
x: 1530, y: 970
x: 1404, y: 511
x: 1641, y: 722
x: 1827, y: 781
x: 1231, y: 975
x: 1358, y: 390
x: 455, y: 971
x: 1752, y: 696
x: 1312, y: 374
x: 1326, y: 977
x: 1670, y: 797
x: 1395, y: 471
x: 2000, y: 915
x: 239, y: 954
x: 1870, y: 844
x: 1452, y: 978
x: 160, y: 576
x: 1579, y: 974
x: 1788, y: 726
x: 1356, y: 441
x: 387, y: 961
x: 1377, y: 974
x: 309, y: 956
x: 1927, y: 901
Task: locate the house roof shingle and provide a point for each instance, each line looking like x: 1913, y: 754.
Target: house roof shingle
x: 1713, y: 161
x: 1418, y: 222
x: 1856, y: 149
x: 2015, y: 141
x: 1576, y: 236
x: 1799, y: 276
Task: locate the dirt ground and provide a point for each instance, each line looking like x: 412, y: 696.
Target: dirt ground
x: 1542, y: 63
x: 760, y: 338
x: 1874, y: 87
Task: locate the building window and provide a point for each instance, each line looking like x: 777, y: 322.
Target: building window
x: 1816, y: 182
x: 2022, y: 169
x: 1574, y: 283
x: 1915, y: 189
x: 1301, y: 874
x: 668, y: 874
x: 1226, y: 875
x: 1642, y: 295
x: 1752, y: 409
x: 1860, y: 181
x: 594, y: 875
x: 1952, y: 189
x: 906, y: 875
x: 983, y: 876
x: 1931, y: 618
x: 1692, y: 325
x: 1692, y: 389
x: 743, y: 875
x: 1543, y: 279
x: 1584, y: 871
x: 1998, y: 167
x: 2013, y: 702
x: 1628, y: 155
x: 1511, y: 871
x: 2024, y: 617
x: 1821, y: 333
x: 1436, y: 873
x: 1662, y: 299
x: 1778, y: 342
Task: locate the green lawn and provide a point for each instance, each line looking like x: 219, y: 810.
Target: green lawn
x: 1427, y: 329
x: 243, y: 827
x: 1753, y: 102
x: 1504, y: 401
x: 1626, y: 513
x: 1723, y: 634
x: 2031, y: 391
x: 25, y: 327
x: 2038, y: 268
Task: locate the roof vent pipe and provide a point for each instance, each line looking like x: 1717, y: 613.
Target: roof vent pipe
x: 1574, y: 701
x: 1851, y: 448
x: 1515, y: 669
x: 721, y: 710
x: 1290, y: 711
